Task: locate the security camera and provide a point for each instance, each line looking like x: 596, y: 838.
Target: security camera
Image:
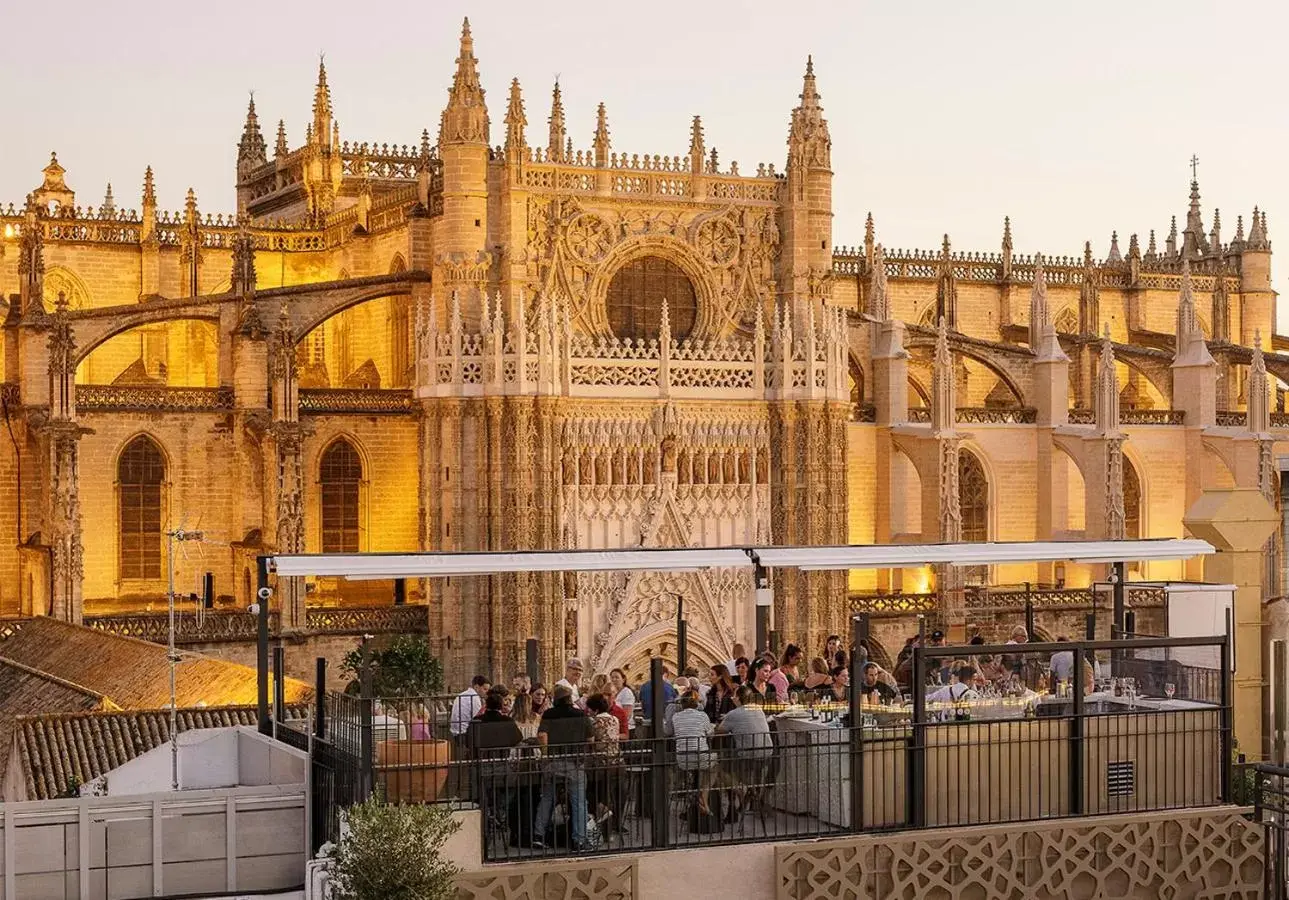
x: 253, y: 609
x: 265, y: 593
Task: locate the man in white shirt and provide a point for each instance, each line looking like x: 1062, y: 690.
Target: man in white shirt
x: 964, y: 688
x: 467, y: 705
x: 731, y: 664
x: 572, y: 677
x: 1063, y: 662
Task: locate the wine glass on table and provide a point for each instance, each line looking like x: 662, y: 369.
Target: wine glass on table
x: 1170, y: 690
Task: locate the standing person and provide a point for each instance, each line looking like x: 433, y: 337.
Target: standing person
x: 572, y: 678
x: 741, y: 669
x: 646, y: 694
x: 602, y: 686
x: 731, y: 665
x: 492, y: 733
x: 565, y: 734
x: 624, y: 696
x: 607, y: 765
x: 525, y: 717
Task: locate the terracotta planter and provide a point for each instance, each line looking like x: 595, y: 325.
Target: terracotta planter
x: 412, y: 771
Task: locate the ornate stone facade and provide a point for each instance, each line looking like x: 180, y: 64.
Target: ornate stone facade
x: 532, y: 345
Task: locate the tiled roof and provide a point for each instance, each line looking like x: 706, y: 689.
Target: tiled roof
x: 26, y: 691
x: 59, y: 752
x: 131, y: 673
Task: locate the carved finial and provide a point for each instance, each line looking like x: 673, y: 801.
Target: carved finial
x: 696, y: 146
x: 601, y: 140
x: 809, y: 143
x: 149, y: 189
x: 251, y: 150
x: 1257, y: 232
x: 1238, y: 241
x: 516, y: 121
x: 190, y: 207
x: 879, y: 302
x: 555, y: 146
x: 869, y: 229
x: 1134, y: 249
x: 280, y: 149
x: 945, y: 248
x: 109, y: 203
x: 1259, y: 390
x: 1114, y: 256
x: 664, y: 325
x: 1087, y: 254
x: 1192, y: 349
x: 1170, y: 245
x: 322, y: 104
x: 1215, y: 236
x: 465, y: 120
x: 943, y: 382
x: 1151, y: 250
x: 1007, y: 233
x: 1038, y: 312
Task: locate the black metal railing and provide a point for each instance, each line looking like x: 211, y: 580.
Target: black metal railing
x: 1269, y: 787
x: 1030, y: 732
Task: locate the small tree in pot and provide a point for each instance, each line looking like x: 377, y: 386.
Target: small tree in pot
x: 394, y: 852
x: 404, y: 668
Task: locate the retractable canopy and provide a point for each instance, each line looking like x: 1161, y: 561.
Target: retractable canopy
x: 373, y: 566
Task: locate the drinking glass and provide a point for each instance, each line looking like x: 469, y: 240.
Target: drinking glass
x: 1169, y: 690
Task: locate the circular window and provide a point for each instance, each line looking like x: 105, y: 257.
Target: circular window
x: 636, y: 295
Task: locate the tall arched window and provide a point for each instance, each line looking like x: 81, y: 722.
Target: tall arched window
x: 1131, y: 501
x: 973, y: 497
x: 140, y: 474
x: 341, y: 474
x: 636, y: 293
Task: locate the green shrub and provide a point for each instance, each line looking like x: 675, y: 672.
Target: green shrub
x: 403, y: 668
x: 394, y: 852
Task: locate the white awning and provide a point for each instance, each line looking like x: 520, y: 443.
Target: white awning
x: 374, y: 566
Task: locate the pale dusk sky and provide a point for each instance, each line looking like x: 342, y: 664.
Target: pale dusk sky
x: 1074, y: 119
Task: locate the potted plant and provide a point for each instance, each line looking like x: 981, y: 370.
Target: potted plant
x: 411, y: 764
x: 394, y: 852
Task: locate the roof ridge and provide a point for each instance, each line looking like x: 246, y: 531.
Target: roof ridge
x: 156, y: 711
x: 89, y: 692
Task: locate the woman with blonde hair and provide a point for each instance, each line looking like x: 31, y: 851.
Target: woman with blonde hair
x: 525, y: 716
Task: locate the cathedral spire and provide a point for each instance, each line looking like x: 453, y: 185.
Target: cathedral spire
x: 558, y: 130
x: 879, y: 301
x: 149, y: 190
x: 1114, y: 256
x: 251, y: 150
x: 465, y: 120
x: 696, y: 146
x: 1107, y: 411
x: 322, y: 106
x: 280, y: 149
x: 1134, y: 248
x: 516, y: 122
x: 1257, y: 233
x: 1194, y: 241
x: 1151, y: 250
x: 108, y: 209
x: 1215, y: 236
x: 1007, y: 234
x: 1192, y: 349
x: 946, y: 288
x: 601, y: 140
x: 809, y: 143
x: 1259, y: 418
x: 1039, y: 317
x: 943, y: 383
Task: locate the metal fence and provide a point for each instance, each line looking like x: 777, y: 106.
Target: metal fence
x: 1147, y: 727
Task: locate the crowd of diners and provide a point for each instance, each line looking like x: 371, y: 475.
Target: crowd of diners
x: 719, y: 722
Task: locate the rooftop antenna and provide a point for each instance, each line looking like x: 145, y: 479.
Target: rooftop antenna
x: 176, y: 535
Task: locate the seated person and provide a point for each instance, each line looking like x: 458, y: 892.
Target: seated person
x: 747, y: 726
x: 874, y: 689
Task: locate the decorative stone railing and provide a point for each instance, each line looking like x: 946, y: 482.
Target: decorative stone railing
x: 1232, y: 418
x: 132, y: 398
x: 550, y: 359
x: 1152, y: 417
x: 920, y: 415
x: 213, y: 626
x: 1279, y: 420
x: 863, y: 412
x: 411, y: 619
x: 995, y: 599
x: 997, y: 416
x: 1082, y: 417
x: 327, y: 401
x: 229, y: 626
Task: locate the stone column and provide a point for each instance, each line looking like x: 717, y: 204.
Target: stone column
x: 1238, y: 522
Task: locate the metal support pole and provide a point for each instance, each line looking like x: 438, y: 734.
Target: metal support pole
x: 917, y: 749
x: 1279, y: 701
x: 279, y: 685
x: 1117, y: 621
x: 1029, y: 614
x: 320, y: 698
x: 173, y: 656
x: 262, y: 595
x: 531, y: 665
x: 658, y: 767
x: 1076, y: 736
x: 1228, y: 713
x: 764, y: 606
x: 682, y: 637
x: 366, y: 716
x: 858, y: 659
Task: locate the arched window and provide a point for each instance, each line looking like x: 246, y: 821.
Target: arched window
x: 636, y: 294
x: 973, y: 497
x: 140, y: 474
x: 341, y: 473
x: 1131, y: 501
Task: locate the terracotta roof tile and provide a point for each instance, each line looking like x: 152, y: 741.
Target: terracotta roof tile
x: 59, y: 752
